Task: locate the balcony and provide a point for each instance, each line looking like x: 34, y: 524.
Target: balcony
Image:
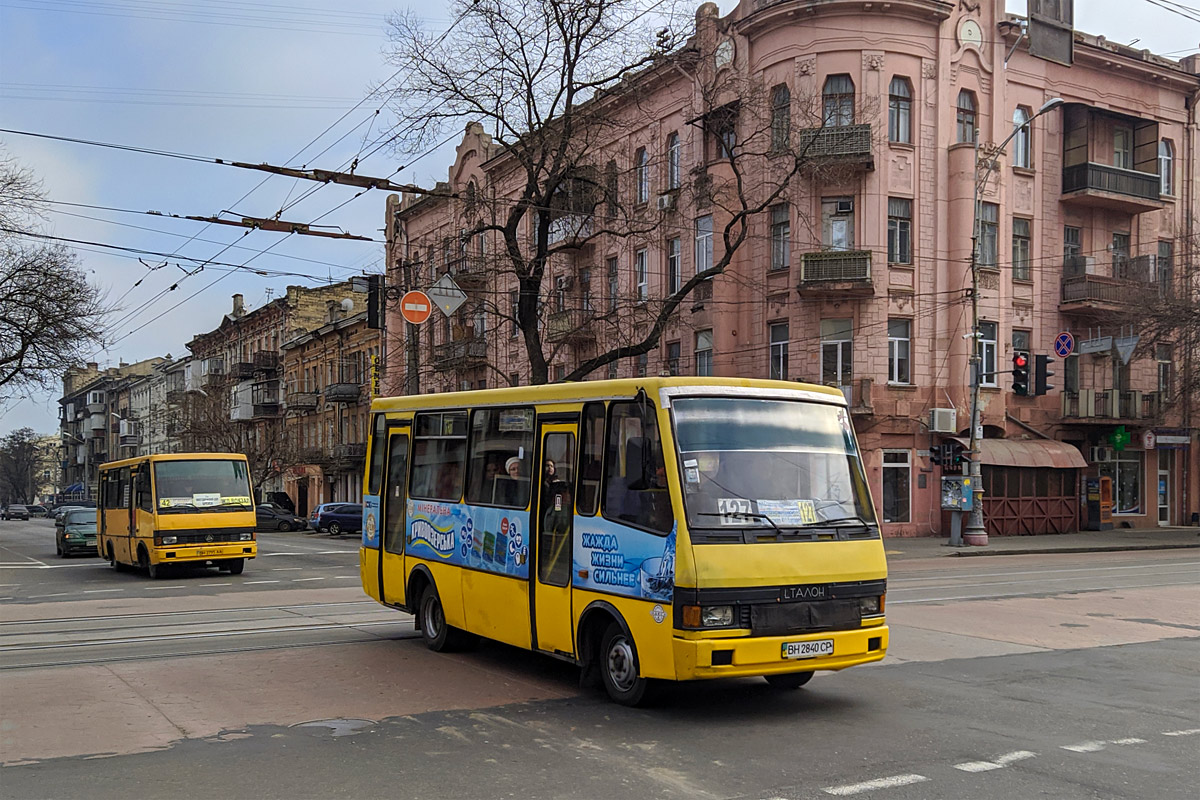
x: 847, y: 144
x: 570, y: 325
x: 349, y: 452
x: 302, y: 401
x: 214, y: 379
x: 460, y: 354
x: 175, y: 396
x: 837, y: 272
x: 1101, y: 294
x: 469, y: 272
x: 241, y: 369
x: 342, y: 393
x: 570, y: 230
x: 1106, y: 406
x: 264, y: 410
x: 1102, y: 186
x: 266, y: 361
x: 130, y: 440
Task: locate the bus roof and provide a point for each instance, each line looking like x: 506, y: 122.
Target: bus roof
x: 587, y: 390
x: 127, y: 462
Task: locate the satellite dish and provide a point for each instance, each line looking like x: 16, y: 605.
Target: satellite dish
x: 347, y: 305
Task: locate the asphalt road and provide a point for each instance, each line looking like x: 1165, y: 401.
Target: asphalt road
x: 1064, y: 676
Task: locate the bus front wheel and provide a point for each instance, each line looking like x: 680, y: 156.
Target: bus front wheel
x: 234, y: 566
x: 439, y: 635
x: 789, y: 680
x: 619, y: 668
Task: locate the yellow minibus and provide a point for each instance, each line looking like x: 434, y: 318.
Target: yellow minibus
x: 180, y: 508
x: 650, y: 529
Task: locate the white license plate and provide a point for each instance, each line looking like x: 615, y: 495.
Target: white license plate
x: 821, y: 647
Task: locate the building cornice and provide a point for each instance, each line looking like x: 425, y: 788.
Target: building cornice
x: 763, y: 15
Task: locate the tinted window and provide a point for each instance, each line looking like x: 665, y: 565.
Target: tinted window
x: 635, y: 482
x: 439, y: 455
x: 81, y: 518
x: 378, y: 441
x: 591, y: 458
x: 501, y: 455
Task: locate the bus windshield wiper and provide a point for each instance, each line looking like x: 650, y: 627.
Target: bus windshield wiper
x: 855, y: 519
x: 747, y: 515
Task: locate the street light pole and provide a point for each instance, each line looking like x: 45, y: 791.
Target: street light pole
x: 975, y: 533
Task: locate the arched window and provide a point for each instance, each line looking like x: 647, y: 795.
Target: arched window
x: 966, y: 116
x: 900, y: 110
x: 1166, y: 166
x: 781, y: 118
x: 1022, y: 140
x: 838, y: 97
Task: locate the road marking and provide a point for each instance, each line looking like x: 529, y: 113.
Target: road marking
x: 251, y: 583
x: 98, y: 591
x: 312, y: 553
x: 345, y: 577
x: 285, y: 569
x: 999, y: 763
x: 301, y: 580
x: 156, y: 588
x: 1188, y: 732
x: 1093, y: 747
x: 56, y: 594
x: 1130, y: 740
x: 878, y: 783
x: 216, y: 584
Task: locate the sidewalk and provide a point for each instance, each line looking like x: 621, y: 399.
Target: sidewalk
x: 1082, y: 542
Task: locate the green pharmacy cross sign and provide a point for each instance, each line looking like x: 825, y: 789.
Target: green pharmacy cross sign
x: 1119, y: 438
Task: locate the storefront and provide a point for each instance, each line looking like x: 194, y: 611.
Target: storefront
x: 1030, y: 486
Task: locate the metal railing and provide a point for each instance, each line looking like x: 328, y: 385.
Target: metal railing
x: 570, y: 228
x: 460, y: 353
x: 342, y: 393
x: 835, y: 141
x: 1103, y: 178
x: 302, y: 401
x: 570, y: 323
x: 1110, y: 404
x: 835, y: 265
x: 1103, y: 289
x: 266, y: 360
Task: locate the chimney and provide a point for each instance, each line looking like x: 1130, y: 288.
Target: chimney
x: 239, y: 307
x: 93, y: 366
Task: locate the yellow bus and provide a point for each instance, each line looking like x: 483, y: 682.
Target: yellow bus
x: 660, y: 528
x: 182, y: 508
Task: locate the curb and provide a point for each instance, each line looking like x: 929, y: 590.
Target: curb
x: 1091, y: 549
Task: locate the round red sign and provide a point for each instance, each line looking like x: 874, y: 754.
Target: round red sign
x: 415, y: 307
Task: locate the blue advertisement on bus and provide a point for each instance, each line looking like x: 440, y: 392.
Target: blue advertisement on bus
x: 371, y: 518
x: 490, y: 539
x: 620, y: 560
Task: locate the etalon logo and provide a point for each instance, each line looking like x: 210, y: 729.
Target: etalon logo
x: 658, y: 613
x: 208, y: 537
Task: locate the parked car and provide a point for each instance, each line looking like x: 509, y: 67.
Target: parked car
x: 337, y: 518
x: 38, y: 511
x: 268, y: 517
x: 78, y: 533
x: 61, y: 512
x: 14, y: 511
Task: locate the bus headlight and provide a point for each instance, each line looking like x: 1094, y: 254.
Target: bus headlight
x: 246, y: 537
x: 169, y: 539
x: 716, y: 616
x: 870, y: 606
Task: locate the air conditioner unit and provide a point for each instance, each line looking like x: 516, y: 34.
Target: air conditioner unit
x: 845, y: 206
x: 1101, y: 454
x: 564, y: 282
x: 666, y: 202
x: 943, y: 420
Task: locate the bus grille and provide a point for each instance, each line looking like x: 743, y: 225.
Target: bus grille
x: 206, y: 536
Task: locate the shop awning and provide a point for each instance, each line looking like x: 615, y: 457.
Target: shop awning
x: 1027, y: 453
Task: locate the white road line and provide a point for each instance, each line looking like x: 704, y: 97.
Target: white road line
x: 301, y: 580
x: 1188, y: 732
x: 1045, y: 572
x: 251, y: 583
x: 286, y: 569
x: 216, y: 584
x: 98, y: 591
x: 56, y: 594
x: 345, y: 577
x: 312, y: 553
x: 1130, y: 740
x: 870, y: 786
x: 999, y: 763
x: 156, y: 588
x: 1085, y: 747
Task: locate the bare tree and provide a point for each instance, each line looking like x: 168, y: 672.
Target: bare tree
x: 20, y: 457
x: 50, y: 315
x: 204, y: 425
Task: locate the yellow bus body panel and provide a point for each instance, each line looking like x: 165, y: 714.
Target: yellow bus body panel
x: 497, y: 607
x: 743, y: 566
x: 653, y: 639
x: 368, y: 571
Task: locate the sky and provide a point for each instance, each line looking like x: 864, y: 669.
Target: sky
x: 253, y: 82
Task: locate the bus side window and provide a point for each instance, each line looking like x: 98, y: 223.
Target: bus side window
x: 591, y: 454
x: 501, y: 457
x: 635, y: 490
x: 378, y: 445
x: 439, y: 456
x: 125, y: 489
x: 142, y: 488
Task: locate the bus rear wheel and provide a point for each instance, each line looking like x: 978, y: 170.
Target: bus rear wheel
x: 789, y: 680
x: 619, y: 668
x: 112, y: 559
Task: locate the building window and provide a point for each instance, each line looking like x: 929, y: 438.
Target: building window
x: 1122, y: 147
x: 837, y: 223
x: 1120, y: 255
x: 515, y: 300
x: 612, y: 189
x: 1163, y: 354
x: 899, y: 230
x: 899, y: 349
x: 704, y: 243
x: 612, y: 370
x: 1072, y: 242
x: 1166, y: 166
x: 1165, y: 267
x: 1071, y: 373
x: 642, y: 167
x: 900, y: 111
x: 674, y: 153
x: 987, y: 353
x: 838, y: 100
x: 779, y: 351
x: 613, y: 287
x: 643, y: 275
x: 989, y: 235
x: 673, y: 358
x: 966, y: 116
x: 781, y: 237
x: 1022, y: 140
x: 781, y: 118
x: 643, y: 362
x: 1020, y: 249
x: 674, y: 265
x: 585, y: 288
x: 1126, y: 474
x: 721, y: 124
x: 897, y: 486
x: 837, y: 354
x: 704, y: 353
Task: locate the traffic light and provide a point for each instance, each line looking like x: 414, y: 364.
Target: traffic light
x: 1020, y: 374
x: 1041, y: 375
x: 936, y: 455
x: 374, y: 301
x: 957, y: 455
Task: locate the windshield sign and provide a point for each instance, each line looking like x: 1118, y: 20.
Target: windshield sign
x: 210, y: 485
x: 782, y: 464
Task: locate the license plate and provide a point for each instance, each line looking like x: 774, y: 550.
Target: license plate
x: 208, y: 551
x: 821, y: 647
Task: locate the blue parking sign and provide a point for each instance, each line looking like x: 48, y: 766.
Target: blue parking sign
x: 1064, y: 344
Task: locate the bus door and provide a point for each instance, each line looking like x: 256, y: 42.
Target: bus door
x: 553, y: 523
x: 394, y: 529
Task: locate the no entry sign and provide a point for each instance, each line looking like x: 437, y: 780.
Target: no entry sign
x: 415, y: 307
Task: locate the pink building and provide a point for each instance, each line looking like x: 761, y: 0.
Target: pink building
x: 860, y: 276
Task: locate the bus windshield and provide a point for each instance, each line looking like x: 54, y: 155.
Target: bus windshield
x: 768, y: 463
x: 201, y: 486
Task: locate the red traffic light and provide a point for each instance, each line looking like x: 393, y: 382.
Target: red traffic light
x: 1020, y: 360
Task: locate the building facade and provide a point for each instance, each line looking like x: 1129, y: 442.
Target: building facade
x: 859, y: 274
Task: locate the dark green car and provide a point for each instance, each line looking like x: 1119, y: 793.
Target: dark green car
x: 77, y: 534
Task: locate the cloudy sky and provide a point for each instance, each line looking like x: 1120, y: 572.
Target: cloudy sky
x: 246, y: 81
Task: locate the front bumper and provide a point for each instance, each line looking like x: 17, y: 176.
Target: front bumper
x: 749, y: 656
x: 212, y: 552
x: 80, y: 546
